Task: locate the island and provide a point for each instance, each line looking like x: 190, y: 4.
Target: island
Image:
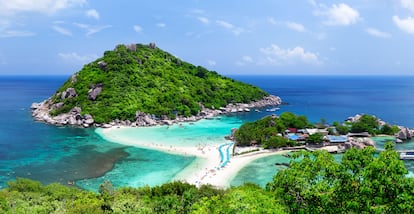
x: 292, y: 132
x: 142, y: 85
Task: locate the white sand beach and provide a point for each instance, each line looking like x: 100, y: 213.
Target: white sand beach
x: 204, y: 170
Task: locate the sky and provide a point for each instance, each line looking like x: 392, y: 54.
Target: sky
x: 232, y: 37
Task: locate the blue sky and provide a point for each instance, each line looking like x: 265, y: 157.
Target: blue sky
x: 304, y: 37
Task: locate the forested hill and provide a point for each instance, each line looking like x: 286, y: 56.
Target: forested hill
x: 147, y: 79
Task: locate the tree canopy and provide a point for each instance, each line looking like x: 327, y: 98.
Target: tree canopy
x: 267, y: 131
x: 361, y: 183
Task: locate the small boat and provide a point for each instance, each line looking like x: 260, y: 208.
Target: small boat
x: 272, y: 109
x: 407, y: 155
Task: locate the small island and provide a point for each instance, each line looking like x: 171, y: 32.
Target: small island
x: 142, y: 85
x: 291, y: 132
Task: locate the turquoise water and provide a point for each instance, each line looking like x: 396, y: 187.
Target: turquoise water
x: 260, y: 171
x: 140, y: 168
x: 204, y: 132
x: 56, y: 154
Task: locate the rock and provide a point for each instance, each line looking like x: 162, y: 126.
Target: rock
x: 68, y: 93
x: 152, y: 45
x: 72, y: 120
x: 94, y: 92
x: 35, y: 106
x: 102, y: 65
x: 106, y: 125
x: 73, y: 78
x: 57, y: 105
x: 76, y: 110
x: 88, y: 119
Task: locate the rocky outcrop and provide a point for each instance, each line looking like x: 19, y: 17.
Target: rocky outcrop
x: 360, y: 142
x: 95, y: 91
x: 41, y: 112
x: 102, y: 65
x: 68, y: 93
x: 405, y: 133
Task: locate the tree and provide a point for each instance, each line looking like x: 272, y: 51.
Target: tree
x: 360, y: 183
x: 315, y: 138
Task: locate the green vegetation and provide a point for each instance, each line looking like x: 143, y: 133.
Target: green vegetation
x: 27, y: 196
x: 371, y: 124
x: 148, y: 79
x: 362, y: 182
x: 268, y: 131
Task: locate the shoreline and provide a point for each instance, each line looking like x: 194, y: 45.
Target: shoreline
x: 41, y: 112
x: 206, y: 169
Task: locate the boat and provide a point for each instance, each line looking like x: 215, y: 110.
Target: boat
x: 272, y: 109
x: 407, y: 155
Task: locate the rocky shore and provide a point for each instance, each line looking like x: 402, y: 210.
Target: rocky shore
x: 403, y: 134
x: 41, y: 112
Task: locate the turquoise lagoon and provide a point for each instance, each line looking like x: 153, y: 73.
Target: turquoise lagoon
x: 63, y: 154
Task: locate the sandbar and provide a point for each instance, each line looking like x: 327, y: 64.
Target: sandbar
x: 206, y: 169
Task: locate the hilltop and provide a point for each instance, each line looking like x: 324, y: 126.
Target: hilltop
x: 142, y: 85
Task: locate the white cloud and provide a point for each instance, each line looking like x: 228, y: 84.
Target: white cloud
x: 62, y: 30
x: 211, y: 62
x: 341, y: 14
x: 295, y: 26
x: 15, y: 33
x: 75, y: 57
x: 161, y: 25
x: 272, y: 21
x: 244, y: 61
x: 247, y: 59
x: 377, y: 33
x: 92, y: 29
x: 11, y: 7
x: 312, y: 2
x: 225, y: 24
x: 406, y: 24
x: 234, y: 29
x: 137, y: 28
x: 92, y: 13
x: 204, y: 20
x: 274, y: 55
x: 289, y: 24
x: 408, y: 4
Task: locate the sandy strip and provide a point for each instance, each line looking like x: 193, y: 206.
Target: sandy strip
x: 206, y: 169
x: 221, y: 178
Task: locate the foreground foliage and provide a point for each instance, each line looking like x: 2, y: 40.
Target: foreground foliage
x: 27, y: 196
x: 360, y: 183
x: 148, y: 79
x: 363, y: 182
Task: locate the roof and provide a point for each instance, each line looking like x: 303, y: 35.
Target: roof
x: 337, y: 139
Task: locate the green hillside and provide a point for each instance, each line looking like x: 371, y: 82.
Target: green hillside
x: 148, y: 79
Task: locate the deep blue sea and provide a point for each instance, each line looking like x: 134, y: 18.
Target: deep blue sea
x: 57, y: 154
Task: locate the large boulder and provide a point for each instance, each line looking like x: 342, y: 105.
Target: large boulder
x: 404, y: 134
x: 94, y: 92
x: 68, y: 93
x: 102, y: 65
x: 88, y: 119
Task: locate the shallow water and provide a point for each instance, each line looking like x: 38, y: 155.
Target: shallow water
x: 56, y: 154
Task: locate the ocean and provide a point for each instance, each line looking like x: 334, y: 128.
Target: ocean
x: 81, y: 157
